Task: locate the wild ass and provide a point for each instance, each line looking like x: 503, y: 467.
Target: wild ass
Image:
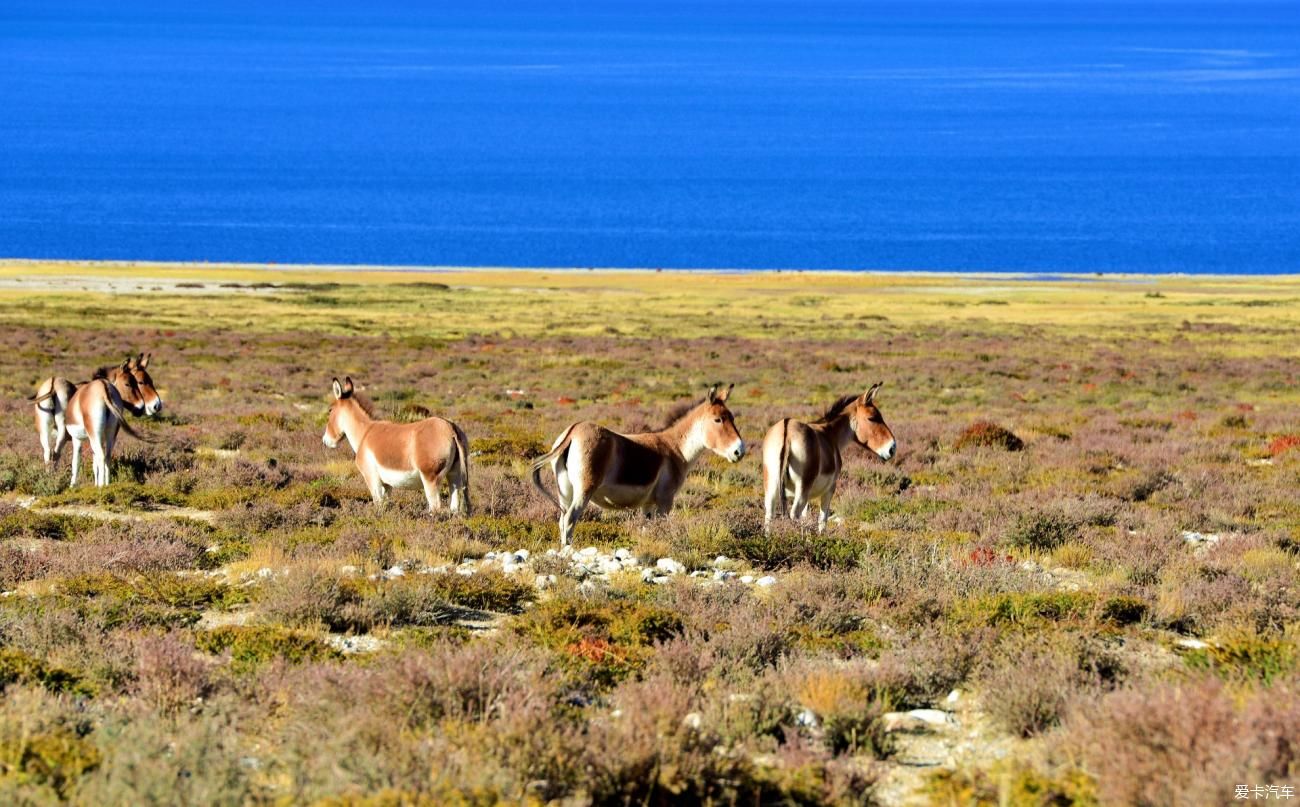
x: 93, y: 411
x: 635, y: 471
x: 134, y: 385
x: 391, y: 455
x: 803, y: 460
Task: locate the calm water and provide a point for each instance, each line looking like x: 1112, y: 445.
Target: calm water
x: 1042, y: 136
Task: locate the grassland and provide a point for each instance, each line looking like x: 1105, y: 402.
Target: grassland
x: 1115, y: 603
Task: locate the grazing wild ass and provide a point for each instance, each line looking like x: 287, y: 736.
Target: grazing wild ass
x: 392, y: 455
x: 135, y: 390
x: 635, y: 471
x: 802, y: 460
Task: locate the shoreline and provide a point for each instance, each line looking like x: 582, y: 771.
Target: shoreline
x: 51, y: 265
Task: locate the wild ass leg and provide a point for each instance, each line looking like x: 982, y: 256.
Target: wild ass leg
x: 44, y: 421
x: 432, y: 494
x: 378, y: 491
x: 569, y: 519
x: 798, y: 499
x: 457, y: 480
x: 60, y: 435
x: 97, y: 463
x: 574, y: 504
x: 771, y: 498
x: 110, y: 440
x: 76, y: 460
x: 824, y: 512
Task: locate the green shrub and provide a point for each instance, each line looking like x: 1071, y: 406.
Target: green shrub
x: 1042, y: 531
x: 1247, y: 655
x: 251, y: 646
x: 17, y: 667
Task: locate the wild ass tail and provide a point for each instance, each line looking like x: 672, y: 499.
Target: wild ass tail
x: 540, y: 463
x: 784, y: 466
x: 37, y: 399
x: 462, y: 457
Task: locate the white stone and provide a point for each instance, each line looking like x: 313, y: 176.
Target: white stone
x: 722, y: 574
x: 747, y: 578
x: 622, y: 554
x: 935, y: 717
x: 720, y: 559
x: 1192, y: 644
x: 522, y: 554
x: 466, y: 570
x: 1200, y: 538
x: 610, y: 565
x: 806, y: 718
x: 490, y: 556
x: 669, y: 566
x: 693, y: 720
x: 953, y: 696
x: 354, y: 644
x: 348, y: 569
x: 588, y: 551
x: 765, y: 581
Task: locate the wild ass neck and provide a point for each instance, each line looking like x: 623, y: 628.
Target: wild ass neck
x: 840, y: 430
x: 687, y: 437
x: 354, y: 423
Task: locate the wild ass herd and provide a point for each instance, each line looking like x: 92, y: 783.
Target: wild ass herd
x: 592, y: 464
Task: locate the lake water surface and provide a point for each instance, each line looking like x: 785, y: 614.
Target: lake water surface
x: 1047, y: 136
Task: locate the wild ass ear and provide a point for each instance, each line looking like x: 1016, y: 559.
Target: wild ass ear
x: 725, y: 394
x: 126, y: 365
x: 338, y: 389
x: 713, y: 394
x: 870, y: 395
x: 143, y: 363
x: 348, y: 386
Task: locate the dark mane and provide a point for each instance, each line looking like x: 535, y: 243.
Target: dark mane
x: 836, y: 409
x: 679, y: 411
x: 363, y: 401
x: 103, y: 372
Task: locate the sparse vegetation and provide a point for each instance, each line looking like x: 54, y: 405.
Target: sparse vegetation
x: 1119, y: 572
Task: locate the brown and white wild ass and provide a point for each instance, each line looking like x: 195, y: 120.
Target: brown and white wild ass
x: 132, y: 381
x: 92, y: 412
x: 635, y: 471
x: 802, y: 461
x: 391, y: 455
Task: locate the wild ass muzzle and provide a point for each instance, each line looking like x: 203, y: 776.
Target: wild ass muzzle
x: 135, y: 389
x: 393, y: 455
x: 635, y: 471
x: 802, y: 461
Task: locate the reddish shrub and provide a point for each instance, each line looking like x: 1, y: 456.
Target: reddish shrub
x: 1283, y: 444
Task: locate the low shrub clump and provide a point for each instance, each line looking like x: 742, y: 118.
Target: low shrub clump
x: 249, y: 647
x: 986, y: 434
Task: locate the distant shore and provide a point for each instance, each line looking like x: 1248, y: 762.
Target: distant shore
x: 8, y: 266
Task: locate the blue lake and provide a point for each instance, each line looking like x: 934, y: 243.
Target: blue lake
x: 1047, y: 137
